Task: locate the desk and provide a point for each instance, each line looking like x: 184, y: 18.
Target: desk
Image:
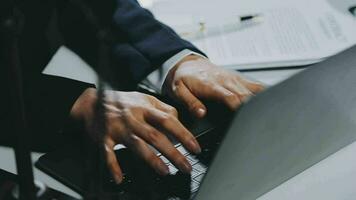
x: 296, y: 188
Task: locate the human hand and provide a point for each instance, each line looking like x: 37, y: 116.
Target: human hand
x: 136, y: 120
x: 196, y: 78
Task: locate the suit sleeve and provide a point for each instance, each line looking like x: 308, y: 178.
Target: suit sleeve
x: 156, y: 41
x: 142, y: 43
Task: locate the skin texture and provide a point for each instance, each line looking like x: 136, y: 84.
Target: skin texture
x: 136, y: 120
x: 196, y: 78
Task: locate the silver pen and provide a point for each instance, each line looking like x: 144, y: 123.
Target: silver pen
x: 205, y: 29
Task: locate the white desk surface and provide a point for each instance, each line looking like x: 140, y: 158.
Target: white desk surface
x: 330, y: 179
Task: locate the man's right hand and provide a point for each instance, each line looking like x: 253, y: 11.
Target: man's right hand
x: 136, y: 120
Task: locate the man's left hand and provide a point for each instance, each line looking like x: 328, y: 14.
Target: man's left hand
x: 196, y: 78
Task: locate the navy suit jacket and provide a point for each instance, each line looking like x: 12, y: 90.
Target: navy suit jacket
x: 142, y: 44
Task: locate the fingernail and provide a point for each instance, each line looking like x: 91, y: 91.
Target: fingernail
x: 195, y: 147
x: 201, y: 112
x: 187, y: 168
x: 163, y: 169
x: 118, y: 179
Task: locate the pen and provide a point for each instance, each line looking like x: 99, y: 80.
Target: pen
x: 205, y: 29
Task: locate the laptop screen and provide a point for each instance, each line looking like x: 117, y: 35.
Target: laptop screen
x: 285, y: 130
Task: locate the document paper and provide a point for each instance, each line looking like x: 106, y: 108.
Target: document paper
x: 287, y: 36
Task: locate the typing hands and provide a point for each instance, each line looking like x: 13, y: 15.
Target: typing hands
x: 196, y: 78
x: 138, y: 120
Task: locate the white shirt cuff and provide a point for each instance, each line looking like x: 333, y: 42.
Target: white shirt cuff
x: 157, y: 77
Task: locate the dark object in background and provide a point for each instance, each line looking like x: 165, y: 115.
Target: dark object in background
x: 7, y: 184
x: 353, y: 10
x: 9, y: 189
x: 22, y: 186
x: 10, y: 28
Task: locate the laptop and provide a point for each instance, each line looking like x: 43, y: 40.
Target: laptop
x: 272, y: 138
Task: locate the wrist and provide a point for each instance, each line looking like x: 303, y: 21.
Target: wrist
x: 83, y: 106
x: 188, y: 58
x: 184, y: 61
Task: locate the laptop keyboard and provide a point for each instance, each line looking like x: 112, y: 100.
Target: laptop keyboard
x: 199, y: 162
x: 141, y: 182
x: 198, y: 169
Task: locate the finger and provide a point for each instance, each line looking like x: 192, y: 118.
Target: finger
x: 140, y: 147
x: 238, y: 89
x: 253, y: 86
x: 219, y: 93
x: 112, y: 162
x: 193, y: 104
x: 165, y: 107
x: 161, y: 143
x: 173, y: 126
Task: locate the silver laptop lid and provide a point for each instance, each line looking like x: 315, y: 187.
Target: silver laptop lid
x: 285, y: 130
